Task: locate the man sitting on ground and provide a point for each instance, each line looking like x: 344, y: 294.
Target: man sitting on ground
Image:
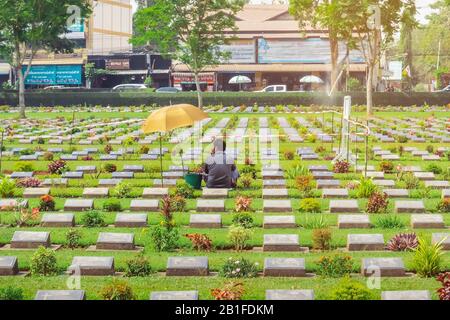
x: 220, y: 169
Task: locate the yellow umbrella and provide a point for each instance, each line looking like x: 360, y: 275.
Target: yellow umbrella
x: 170, y: 118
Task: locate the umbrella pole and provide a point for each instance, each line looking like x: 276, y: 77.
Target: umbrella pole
x: 161, y: 159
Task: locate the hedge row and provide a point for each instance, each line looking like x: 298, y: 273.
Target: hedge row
x: 219, y: 98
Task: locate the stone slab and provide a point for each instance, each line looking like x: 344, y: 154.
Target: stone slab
x: 109, y: 182
x: 277, y: 206
x: 8, y: 266
x: 187, y: 266
x: 92, y: 266
x: 409, y: 206
x: 60, y: 295
x: 58, y: 220
x: 57, y: 182
x: 328, y: 184
x: 275, y: 193
x: 427, y: 221
x: 365, y: 242
x: 115, y: 241
x: 353, y: 221
x: 174, y: 295
x: 133, y: 168
x: 208, y: 205
x: 274, y: 184
x: 281, y: 242
x: 208, y: 193
x: 273, y: 222
x: 155, y: 193
x: 406, y: 295
x: 424, y: 176
x: 205, y: 221
x: 289, y: 295
x: 78, y: 205
x: 122, y: 175
x: 385, y: 267
x: 397, y: 193
x: 444, y: 237
x: 30, y: 239
x: 91, y: 193
x: 437, y: 184
x: 30, y: 193
x: 344, y: 206
x: 284, y: 267
x: 144, y: 205
x: 131, y: 220
x: 334, y: 193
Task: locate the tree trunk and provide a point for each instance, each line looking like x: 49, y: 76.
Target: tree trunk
x: 369, y: 89
x: 334, y: 45
x: 199, y: 90
x: 19, y: 72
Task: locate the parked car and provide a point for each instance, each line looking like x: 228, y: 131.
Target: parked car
x: 129, y: 87
x: 275, y: 88
x: 446, y: 89
x: 168, y: 90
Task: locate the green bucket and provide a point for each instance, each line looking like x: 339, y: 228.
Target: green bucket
x: 194, y: 180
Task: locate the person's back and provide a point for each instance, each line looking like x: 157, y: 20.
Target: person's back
x: 221, y: 170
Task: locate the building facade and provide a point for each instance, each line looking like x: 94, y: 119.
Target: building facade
x: 269, y: 49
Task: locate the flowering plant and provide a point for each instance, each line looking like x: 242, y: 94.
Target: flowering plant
x: 239, y: 268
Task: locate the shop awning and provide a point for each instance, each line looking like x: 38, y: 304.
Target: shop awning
x: 160, y: 71
x: 130, y: 72
x: 236, y: 68
x: 65, y: 61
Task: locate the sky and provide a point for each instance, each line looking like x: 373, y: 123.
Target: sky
x: 422, y: 5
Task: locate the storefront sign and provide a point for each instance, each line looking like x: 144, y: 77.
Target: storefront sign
x: 239, y: 53
x: 117, y: 64
x: 314, y: 50
x: 78, y: 26
x: 54, y: 75
x: 188, y: 78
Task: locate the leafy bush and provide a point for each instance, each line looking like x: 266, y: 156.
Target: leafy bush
x: 378, y: 203
x: 73, y: 237
x: 230, y: 291
x: 7, y: 187
x: 107, y: 149
x: 434, y: 168
x: 48, y: 156
x: 112, y: 205
x: 185, y: 190
x: 117, y: 290
x: 29, y: 183
x: 47, y: 203
x: 110, y: 167
x: 200, y: 242
x: 178, y: 203
x: 427, y: 258
x: 303, y: 183
x: 243, y: 219
x: 248, y: 170
x: 403, y: 242
x: 43, y: 262
x: 57, y: 167
x: 122, y: 190
x: 310, y: 205
x: 348, y: 289
x: 297, y: 170
x: 386, y: 166
x: 239, y: 236
x: 138, y: 267
x: 243, y: 204
x: 444, y: 205
x: 314, y: 222
x: 410, y: 180
x: 289, y: 155
x: 245, y: 181
x: 366, y: 188
x: 341, y: 166
x: 24, y: 167
x: 164, y: 239
x: 335, y: 266
x: 321, y: 239
x: 144, y: 149
x: 11, y: 293
x: 93, y: 219
x: 389, y: 222
x: 239, y: 268
x: 443, y: 292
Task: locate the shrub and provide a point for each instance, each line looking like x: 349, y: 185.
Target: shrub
x: 314, y: 222
x: 93, y: 219
x: 107, y: 149
x: 427, y: 258
x: 289, y: 155
x: 185, y: 190
x: 310, y: 205
x: 403, y: 242
x: 245, y: 181
x: 443, y: 292
x: 389, y: 222
x: 7, y: 187
x: 110, y: 167
x: 117, y: 290
x: 402, y: 139
x: 164, y: 239
x: 239, y: 268
x: 200, y: 242
x: 144, y: 149
x: 297, y: 170
x: 24, y: 167
x: 411, y: 181
x: 303, y: 183
x: 29, y: 183
x: 48, y: 156
x: 377, y: 203
x: 138, y: 267
x: 386, y: 166
x: 320, y: 149
x: 434, y: 168
x: 43, y: 262
x: 243, y: 219
x: 321, y: 239
x: 47, y: 203
x: 341, y: 166
x: 249, y: 170
x: 430, y: 148
x: 112, y: 205
x: 366, y: 188
x: 334, y: 266
x: 348, y: 289
x: 122, y: 190
x: 11, y: 293
x: 239, y: 236
x: 57, y: 167
x: 73, y: 237
x: 444, y: 205
x: 243, y: 204
x: 230, y: 291
x: 178, y: 203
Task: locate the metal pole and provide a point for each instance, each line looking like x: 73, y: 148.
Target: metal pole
x: 356, y: 145
x: 348, y: 142
x: 367, y: 151
x: 332, y: 131
x: 161, y: 159
x: 1, y: 150
x: 340, y: 130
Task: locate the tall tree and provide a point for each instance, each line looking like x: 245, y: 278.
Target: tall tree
x: 190, y: 31
x: 408, y: 24
x: 27, y: 26
x: 328, y: 15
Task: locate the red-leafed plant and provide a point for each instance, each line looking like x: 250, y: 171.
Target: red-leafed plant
x: 341, y: 166
x: 200, y: 242
x: 47, y: 203
x: 29, y: 183
x: 403, y: 242
x: 243, y: 204
x: 444, y: 205
x: 377, y: 203
x: 57, y: 166
x: 444, y: 292
x: 387, y: 166
x: 230, y: 291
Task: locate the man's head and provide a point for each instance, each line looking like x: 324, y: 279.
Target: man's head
x: 219, y: 145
